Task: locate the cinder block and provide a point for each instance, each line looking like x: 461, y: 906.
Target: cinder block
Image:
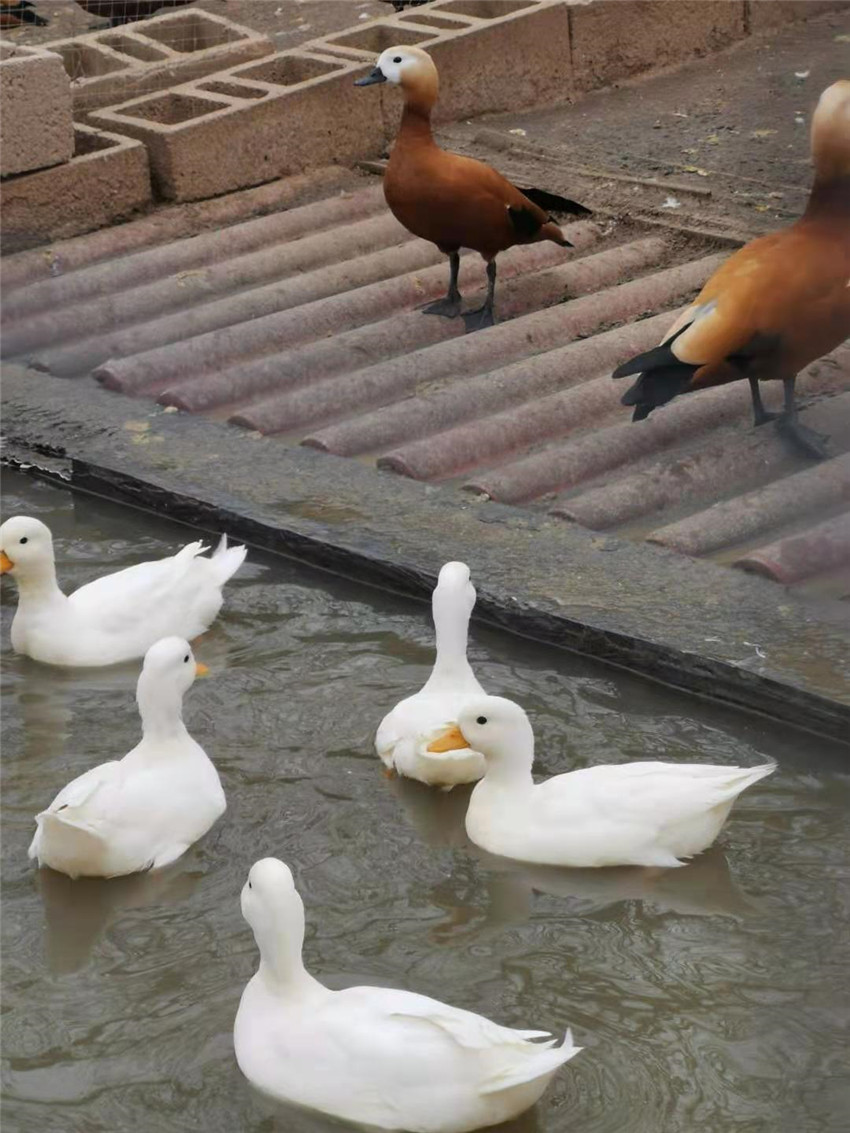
x: 106, y: 180
x: 36, y: 127
x: 763, y: 15
x: 516, y: 55
x: 290, y: 112
x: 614, y: 39
x: 113, y: 66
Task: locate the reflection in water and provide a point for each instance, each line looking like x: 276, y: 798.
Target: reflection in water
x: 704, y: 887
x: 708, y: 998
x: 77, y: 912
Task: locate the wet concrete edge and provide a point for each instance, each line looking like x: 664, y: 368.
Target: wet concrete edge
x: 698, y: 627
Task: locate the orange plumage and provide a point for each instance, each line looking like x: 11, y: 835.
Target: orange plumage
x: 776, y: 305
x: 453, y: 201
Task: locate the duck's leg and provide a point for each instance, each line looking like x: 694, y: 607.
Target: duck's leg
x: 483, y: 316
x: 811, y: 443
x: 450, y: 306
x: 760, y: 414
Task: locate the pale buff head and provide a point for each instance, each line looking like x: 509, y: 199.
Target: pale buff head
x: 831, y: 132
x: 411, y: 69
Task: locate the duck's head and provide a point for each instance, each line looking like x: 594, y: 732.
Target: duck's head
x: 272, y: 905
x: 454, y: 591
x: 500, y: 730
x: 26, y: 547
x: 831, y: 132
x: 170, y: 664
x: 408, y: 67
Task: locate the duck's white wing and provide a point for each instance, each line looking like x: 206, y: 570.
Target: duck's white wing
x: 411, y: 718
x: 82, y: 789
x: 74, y: 796
x: 440, y: 1033
x: 652, y: 793
x: 120, y: 601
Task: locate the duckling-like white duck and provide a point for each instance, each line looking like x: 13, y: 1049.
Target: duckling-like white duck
x: 646, y: 814
x: 377, y: 1056
x: 145, y: 810
x: 115, y: 618
x: 419, y: 737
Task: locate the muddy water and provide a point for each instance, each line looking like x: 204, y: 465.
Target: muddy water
x: 712, y: 998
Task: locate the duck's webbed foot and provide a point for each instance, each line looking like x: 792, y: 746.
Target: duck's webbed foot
x: 809, y: 442
x: 806, y: 440
x: 483, y: 316
x: 449, y: 306
x: 480, y: 318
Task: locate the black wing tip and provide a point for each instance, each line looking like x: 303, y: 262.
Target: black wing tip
x: 554, y: 202
x: 626, y: 369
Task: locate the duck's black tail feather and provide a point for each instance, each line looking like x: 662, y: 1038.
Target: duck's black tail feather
x: 26, y: 13
x: 553, y: 203
x: 662, y: 377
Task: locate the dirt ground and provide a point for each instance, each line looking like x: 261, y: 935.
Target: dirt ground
x: 735, y: 123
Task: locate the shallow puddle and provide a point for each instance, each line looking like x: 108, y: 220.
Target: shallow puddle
x: 710, y: 998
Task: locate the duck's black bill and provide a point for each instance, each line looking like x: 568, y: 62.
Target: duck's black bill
x: 376, y: 76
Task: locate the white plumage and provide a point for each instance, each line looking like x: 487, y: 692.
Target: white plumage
x: 647, y: 813
x: 405, y: 735
x: 145, y: 810
x: 380, y: 1057
x: 117, y: 617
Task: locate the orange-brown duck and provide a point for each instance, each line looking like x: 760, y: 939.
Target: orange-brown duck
x: 456, y: 202
x: 775, y: 306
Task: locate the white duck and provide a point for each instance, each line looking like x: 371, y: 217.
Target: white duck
x: 145, y: 810
x: 380, y: 1057
x: 646, y: 814
x: 115, y: 618
x: 419, y: 737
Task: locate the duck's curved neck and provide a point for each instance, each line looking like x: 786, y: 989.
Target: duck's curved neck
x: 510, y: 766
x: 161, y: 709
x: 452, y: 633
x: 415, y: 126
x: 39, y: 584
x: 281, y: 969
x: 511, y: 774
x: 830, y: 197
x: 419, y: 99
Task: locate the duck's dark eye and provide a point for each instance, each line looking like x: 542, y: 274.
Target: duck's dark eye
x: 25, y: 539
x: 397, y: 59
x: 250, y: 886
x: 186, y: 659
x: 481, y: 720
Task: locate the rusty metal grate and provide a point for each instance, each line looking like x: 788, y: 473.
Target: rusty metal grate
x: 303, y: 323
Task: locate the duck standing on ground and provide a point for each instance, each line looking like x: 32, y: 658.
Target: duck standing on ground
x: 382, y: 1057
x: 453, y: 201
x: 115, y: 618
x: 419, y: 737
x: 145, y: 810
x: 646, y: 813
x: 775, y: 306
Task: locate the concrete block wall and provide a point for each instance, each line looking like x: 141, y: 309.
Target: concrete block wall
x: 294, y: 110
x: 106, y: 180
x: 35, y: 98
x: 111, y: 66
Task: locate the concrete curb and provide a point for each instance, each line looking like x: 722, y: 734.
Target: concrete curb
x: 721, y: 634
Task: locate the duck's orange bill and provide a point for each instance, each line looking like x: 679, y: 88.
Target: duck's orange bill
x: 201, y: 670
x: 5, y: 562
x: 450, y: 740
